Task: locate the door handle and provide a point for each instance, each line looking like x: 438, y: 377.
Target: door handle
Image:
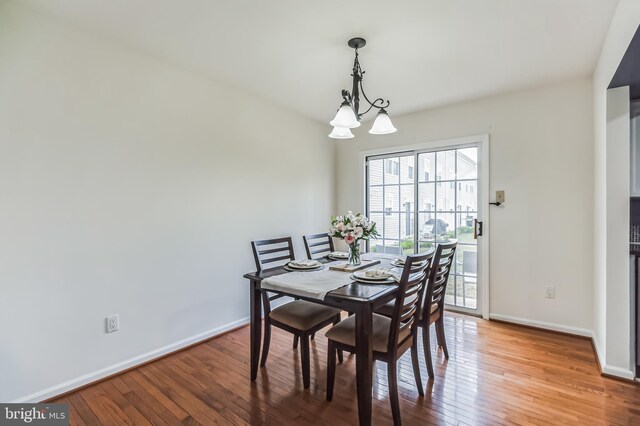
x: 477, y: 229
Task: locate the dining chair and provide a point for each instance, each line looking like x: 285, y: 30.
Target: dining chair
x: 387, y: 309
x: 318, y: 245
x: 299, y: 317
x: 391, y: 337
x: 432, y: 302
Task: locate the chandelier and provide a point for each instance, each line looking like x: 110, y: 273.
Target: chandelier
x: 348, y: 115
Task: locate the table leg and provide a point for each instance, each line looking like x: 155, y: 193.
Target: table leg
x: 364, y: 363
x: 256, y: 336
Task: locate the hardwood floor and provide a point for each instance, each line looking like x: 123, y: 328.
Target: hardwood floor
x: 497, y: 374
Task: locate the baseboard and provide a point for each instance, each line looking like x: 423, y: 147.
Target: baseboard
x: 618, y: 373
x: 608, y: 370
x: 597, y: 351
x: 576, y: 331
x: 119, y: 367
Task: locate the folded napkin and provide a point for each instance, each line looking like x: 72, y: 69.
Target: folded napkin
x: 377, y: 273
x: 305, y: 263
x: 386, y: 273
x: 340, y: 254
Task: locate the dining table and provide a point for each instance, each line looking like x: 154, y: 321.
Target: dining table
x: 355, y: 297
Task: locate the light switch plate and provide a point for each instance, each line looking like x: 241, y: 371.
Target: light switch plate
x: 500, y: 196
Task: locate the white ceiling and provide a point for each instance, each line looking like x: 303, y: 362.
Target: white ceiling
x: 419, y: 53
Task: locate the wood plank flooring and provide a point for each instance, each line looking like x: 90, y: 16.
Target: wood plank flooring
x: 497, y: 374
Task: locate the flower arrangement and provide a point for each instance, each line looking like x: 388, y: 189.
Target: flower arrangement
x: 352, y: 228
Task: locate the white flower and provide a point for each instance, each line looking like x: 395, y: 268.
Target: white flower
x: 358, y: 232
x: 340, y: 226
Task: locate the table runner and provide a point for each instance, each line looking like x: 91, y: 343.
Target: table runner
x: 316, y: 284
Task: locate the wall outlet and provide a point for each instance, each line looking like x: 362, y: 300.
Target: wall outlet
x: 550, y: 292
x: 500, y: 196
x: 113, y: 323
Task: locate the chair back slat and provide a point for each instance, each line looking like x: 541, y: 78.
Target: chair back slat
x: 436, y: 287
x: 271, y: 254
x: 322, y: 245
x: 406, y: 306
x: 273, y: 250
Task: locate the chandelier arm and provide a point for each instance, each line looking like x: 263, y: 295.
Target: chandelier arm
x: 372, y: 105
x: 384, y: 104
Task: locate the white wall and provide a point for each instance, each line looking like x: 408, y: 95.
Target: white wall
x: 129, y: 186
x: 541, y: 156
x: 617, y: 227
x: 612, y: 314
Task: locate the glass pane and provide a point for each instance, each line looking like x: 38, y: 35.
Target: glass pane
x: 446, y: 165
x: 468, y: 163
x: 467, y: 260
x: 446, y: 196
x: 375, y: 199
x: 467, y: 196
x: 426, y: 226
x: 391, y: 226
x: 443, y: 226
x: 464, y: 228
x: 386, y: 246
x: 425, y: 246
x: 406, y: 198
x: 426, y: 197
x: 426, y: 167
x: 406, y: 233
x: 391, y: 199
x: 375, y: 172
x: 407, y: 170
x: 466, y: 292
x: 378, y: 218
x: 450, y: 294
x: 391, y: 171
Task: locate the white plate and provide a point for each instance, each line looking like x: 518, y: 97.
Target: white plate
x: 294, y: 266
x: 363, y: 276
x: 389, y: 280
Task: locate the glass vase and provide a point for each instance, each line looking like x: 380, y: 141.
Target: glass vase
x: 354, y: 254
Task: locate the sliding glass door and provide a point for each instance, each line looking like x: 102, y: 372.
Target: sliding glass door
x: 420, y: 198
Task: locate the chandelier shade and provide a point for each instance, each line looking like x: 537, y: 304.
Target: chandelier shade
x: 349, y: 115
x: 345, y: 117
x: 341, y: 133
x: 382, y: 125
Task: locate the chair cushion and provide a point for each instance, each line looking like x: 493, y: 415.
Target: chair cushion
x: 345, y: 332
x: 302, y: 315
x: 387, y: 310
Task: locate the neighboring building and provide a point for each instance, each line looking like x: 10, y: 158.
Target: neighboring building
x: 447, y: 194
